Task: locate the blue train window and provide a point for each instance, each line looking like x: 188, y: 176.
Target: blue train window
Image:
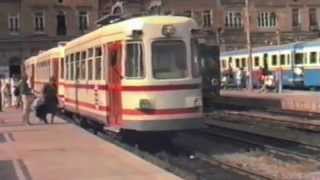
x: 313, y: 58
x: 282, y: 59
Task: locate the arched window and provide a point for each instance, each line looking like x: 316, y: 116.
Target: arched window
x: 117, y: 11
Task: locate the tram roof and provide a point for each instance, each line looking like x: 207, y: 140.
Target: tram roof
x: 127, y: 26
x: 265, y: 49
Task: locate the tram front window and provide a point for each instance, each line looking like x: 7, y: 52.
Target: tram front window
x: 169, y: 59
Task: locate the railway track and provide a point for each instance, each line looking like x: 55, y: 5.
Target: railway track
x: 182, y: 162
x: 191, y: 160
x: 271, y: 117
x: 298, y: 155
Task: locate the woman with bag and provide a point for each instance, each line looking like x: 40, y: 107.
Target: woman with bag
x: 50, y: 100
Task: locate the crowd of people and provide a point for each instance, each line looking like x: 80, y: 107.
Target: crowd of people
x: 18, y: 93
x: 263, y: 80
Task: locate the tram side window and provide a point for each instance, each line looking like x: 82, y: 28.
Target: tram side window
x: 274, y: 60
x: 243, y: 62
x: 282, y: 59
x: 256, y: 61
x: 62, y: 68
x: 288, y: 59
x: 83, y: 65
x: 90, y: 64
x: 67, y: 68
x: 134, y: 61
x: 72, y: 67
x: 313, y: 58
x: 223, y: 64
x: 305, y: 58
x: 237, y: 63
x: 230, y: 62
x: 98, y: 61
x: 77, y: 64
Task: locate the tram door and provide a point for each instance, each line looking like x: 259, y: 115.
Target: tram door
x: 114, y: 83
x: 55, y: 70
x: 210, y: 68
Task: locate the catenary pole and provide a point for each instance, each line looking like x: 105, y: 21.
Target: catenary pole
x: 249, y: 46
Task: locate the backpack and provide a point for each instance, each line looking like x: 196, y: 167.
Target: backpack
x: 16, y: 91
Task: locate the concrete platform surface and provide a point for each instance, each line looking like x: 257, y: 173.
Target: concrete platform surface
x: 63, y: 151
x: 301, y: 101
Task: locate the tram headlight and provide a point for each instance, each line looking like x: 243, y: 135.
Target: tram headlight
x: 168, y: 30
x: 145, y: 104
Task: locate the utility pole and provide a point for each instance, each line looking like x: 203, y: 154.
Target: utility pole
x: 250, y: 84
x: 0, y: 94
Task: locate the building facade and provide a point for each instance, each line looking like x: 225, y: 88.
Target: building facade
x: 224, y: 21
x: 28, y: 26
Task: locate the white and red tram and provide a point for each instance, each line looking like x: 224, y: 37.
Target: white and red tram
x: 139, y: 74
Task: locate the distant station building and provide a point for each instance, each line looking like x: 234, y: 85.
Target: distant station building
x: 27, y: 26
x: 223, y: 21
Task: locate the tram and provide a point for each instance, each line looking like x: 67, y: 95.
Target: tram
x: 139, y: 74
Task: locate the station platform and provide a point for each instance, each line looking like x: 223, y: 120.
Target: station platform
x: 299, y: 101
x: 63, y: 151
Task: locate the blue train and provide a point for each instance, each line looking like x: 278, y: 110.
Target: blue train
x: 299, y: 63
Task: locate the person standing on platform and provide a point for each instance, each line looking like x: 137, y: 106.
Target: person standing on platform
x: 6, y: 95
x: 239, y: 78
x: 50, y: 97
x: 27, y: 98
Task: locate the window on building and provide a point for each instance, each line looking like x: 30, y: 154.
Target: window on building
x: 282, y: 59
x: 83, y: 21
x: 98, y: 62
x: 207, y: 19
x: 61, y: 24
x: 267, y: 19
x: 256, y: 61
x: 83, y: 65
x: 188, y: 13
x: 134, y: 61
x: 39, y: 22
x: 274, y: 60
x: 233, y: 19
x: 313, y: 58
x: 295, y: 17
x: 14, y: 23
x: 153, y: 10
x: 313, y: 17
